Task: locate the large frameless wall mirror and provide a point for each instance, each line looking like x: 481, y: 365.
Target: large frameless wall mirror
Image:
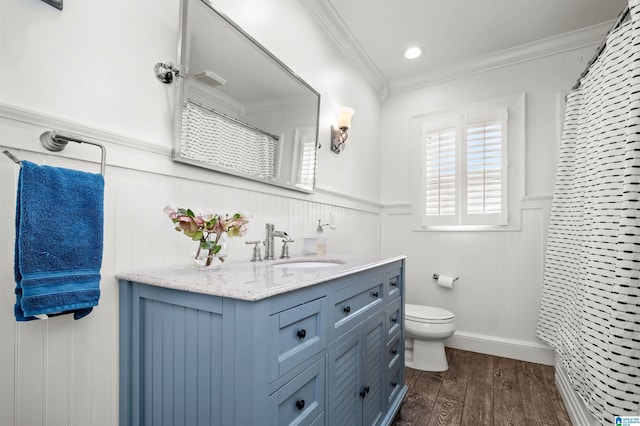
x: 242, y: 111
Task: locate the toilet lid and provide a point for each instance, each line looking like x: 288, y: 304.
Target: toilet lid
x: 430, y: 314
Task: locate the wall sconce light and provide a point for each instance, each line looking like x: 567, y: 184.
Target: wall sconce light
x: 340, y: 135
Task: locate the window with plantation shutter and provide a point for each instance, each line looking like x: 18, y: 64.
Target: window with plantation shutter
x: 305, y: 138
x: 308, y: 163
x: 464, y: 172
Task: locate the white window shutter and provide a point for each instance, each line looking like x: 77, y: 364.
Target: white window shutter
x: 485, y: 170
x: 305, y: 150
x: 440, y: 181
x: 308, y: 163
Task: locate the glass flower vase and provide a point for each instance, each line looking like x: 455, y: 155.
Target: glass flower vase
x: 207, y: 260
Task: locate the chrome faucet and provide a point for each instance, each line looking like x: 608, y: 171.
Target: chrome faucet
x: 269, y: 245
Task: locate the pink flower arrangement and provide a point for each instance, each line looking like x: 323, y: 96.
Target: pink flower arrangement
x: 207, y: 228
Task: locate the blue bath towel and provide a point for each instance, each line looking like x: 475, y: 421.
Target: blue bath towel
x: 59, y: 238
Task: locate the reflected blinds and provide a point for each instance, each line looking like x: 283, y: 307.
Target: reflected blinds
x: 219, y: 142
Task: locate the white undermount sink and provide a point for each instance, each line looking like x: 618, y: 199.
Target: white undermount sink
x: 307, y: 263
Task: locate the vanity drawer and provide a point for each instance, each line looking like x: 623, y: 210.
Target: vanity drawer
x: 393, y: 285
x: 394, y: 352
x: 394, y: 317
x: 295, y: 335
x: 394, y: 384
x: 355, y: 303
x: 300, y: 401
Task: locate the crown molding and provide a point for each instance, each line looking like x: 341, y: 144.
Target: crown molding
x: 348, y: 44
x: 340, y: 34
x: 590, y: 36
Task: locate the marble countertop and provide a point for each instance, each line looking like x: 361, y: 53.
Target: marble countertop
x: 254, y: 281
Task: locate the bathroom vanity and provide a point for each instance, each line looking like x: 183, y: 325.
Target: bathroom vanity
x: 263, y: 343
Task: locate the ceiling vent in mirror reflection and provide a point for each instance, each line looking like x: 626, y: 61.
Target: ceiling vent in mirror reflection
x: 210, y: 78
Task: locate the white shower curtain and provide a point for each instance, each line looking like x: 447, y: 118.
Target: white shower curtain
x: 590, y: 307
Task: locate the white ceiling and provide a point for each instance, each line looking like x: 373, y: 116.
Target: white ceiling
x: 455, y: 34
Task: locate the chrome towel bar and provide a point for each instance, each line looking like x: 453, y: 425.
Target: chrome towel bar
x: 55, y: 141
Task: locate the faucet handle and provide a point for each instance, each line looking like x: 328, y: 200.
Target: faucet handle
x: 285, y: 248
x: 319, y: 230
x: 257, y: 257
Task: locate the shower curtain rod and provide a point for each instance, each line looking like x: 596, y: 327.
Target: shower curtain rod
x: 621, y: 18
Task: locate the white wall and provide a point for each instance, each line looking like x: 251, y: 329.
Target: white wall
x: 497, y: 296
x: 88, y: 69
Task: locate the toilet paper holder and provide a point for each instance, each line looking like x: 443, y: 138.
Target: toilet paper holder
x: 437, y: 275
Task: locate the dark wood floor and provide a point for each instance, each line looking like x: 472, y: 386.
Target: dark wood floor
x: 483, y: 390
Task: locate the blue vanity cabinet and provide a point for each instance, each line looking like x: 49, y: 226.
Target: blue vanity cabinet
x: 294, y: 358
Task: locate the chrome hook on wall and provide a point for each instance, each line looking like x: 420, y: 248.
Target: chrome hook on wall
x: 166, y: 72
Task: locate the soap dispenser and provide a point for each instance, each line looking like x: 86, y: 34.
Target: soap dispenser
x: 311, y: 244
x: 321, y: 238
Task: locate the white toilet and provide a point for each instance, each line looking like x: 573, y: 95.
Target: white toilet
x: 426, y: 329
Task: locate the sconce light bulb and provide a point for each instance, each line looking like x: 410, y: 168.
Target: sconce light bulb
x: 339, y: 135
x: 344, y: 117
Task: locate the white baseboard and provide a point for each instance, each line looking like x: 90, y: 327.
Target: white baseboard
x: 508, y: 348
x: 574, y: 404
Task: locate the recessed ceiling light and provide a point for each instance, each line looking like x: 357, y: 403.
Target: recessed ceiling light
x: 413, y: 52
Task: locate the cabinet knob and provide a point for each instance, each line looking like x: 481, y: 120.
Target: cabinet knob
x: 302, y: 333
x: 393, y: 319
x: 394, y: 384
x: 375, y: 294
x: 347, y: 309
x: 300, y: 404
x: 364, y: 392
x: 394, y: 352
x: 394, y: 283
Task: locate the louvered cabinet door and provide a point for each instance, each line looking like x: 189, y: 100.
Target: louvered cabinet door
x: 373, y: 370
x: 356, y: 375
x: 344, y: 384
